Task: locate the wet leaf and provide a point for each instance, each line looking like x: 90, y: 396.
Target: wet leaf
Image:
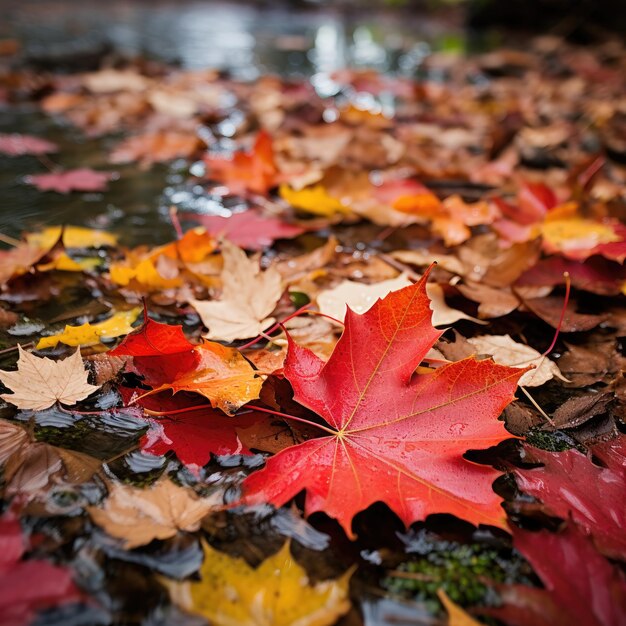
x: 571, y: 486
x: 249, y: 295
x: 39, y: 382
x: 248, y: 230
x: 394, y: 437
x: 138, y: 516
x: 91, y: 334
x: 17, y: 145
x: 278, y: 592
x: 315, y: 200
x: 506, y: 351
x: 71, y: 237
x: 83, y: 179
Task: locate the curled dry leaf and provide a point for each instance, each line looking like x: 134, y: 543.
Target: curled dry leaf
x: 278, y: 592
x: 137, y: 516
x: 249, y: 295
x: 39, y: 382
x: 506, y: 351
x: 361, y: 297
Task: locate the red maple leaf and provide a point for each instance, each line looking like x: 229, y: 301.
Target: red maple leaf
x: 582, y: 587
x: 17, y: 145
x: 394, y: 436
x: 570, y: 485
x: 31, y: 585
x: 153, y: 339
x: 194, y: 434
x: 83, y: 179
x: 247, y: 171
x: 248, y: 229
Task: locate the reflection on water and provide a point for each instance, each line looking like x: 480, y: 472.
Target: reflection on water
x: 245, y: 40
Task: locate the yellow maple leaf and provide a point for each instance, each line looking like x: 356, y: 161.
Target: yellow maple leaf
x: 456, y: 615
x: 277, y: 593
x: 313, y: 199
x: 73, y: 237
x: 576, y: 233
x: 90, y: 334
x: 146, y: 273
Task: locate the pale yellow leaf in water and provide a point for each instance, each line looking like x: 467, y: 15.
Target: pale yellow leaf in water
x: 137, y: 516
x: 73, y: 237
x: 39, y: 382
x: 249, y: 295
x: 90, y: 334
x: 315, y: 200
x: 277, y: 593
x: 361, y: 297
x: 506, y: 351
x: 456, y: 615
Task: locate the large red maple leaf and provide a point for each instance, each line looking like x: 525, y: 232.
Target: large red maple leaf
x: 394, y: 436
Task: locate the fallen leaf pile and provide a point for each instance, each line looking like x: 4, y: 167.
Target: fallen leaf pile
x: 380, y: 369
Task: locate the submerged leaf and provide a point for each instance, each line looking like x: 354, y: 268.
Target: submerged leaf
x: 277, y: 593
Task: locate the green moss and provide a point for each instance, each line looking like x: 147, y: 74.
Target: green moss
x: 556, y: 441
x: 462, y: 570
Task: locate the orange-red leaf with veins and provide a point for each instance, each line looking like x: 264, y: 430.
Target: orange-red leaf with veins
x: 395, y: 436
x: 246, y: 171
x: 154, y: 339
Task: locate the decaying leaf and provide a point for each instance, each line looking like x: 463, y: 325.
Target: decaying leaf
x: 506, y: 351
x: 277, y: 593
x: 39, y: 382
x: 249, y: 295
x: 83, y: 179
x: 137, y: 516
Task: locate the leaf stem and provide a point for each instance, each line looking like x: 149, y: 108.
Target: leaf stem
x: 568, y: 286
x: 330, y: 431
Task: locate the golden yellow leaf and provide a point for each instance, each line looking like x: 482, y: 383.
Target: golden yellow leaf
x: 90, y: 334
x: 576, y: 233
x: 73, y: 237
x: 137, y: 516
x: 277, y: 593
x: 159, y: 273
x: 248, y: 297
x: 456, y: 615
x: 39, y: 382
x: 313, y: 199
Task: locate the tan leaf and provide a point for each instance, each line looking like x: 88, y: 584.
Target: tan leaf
x: 492, y: 302
x: 361, y: 297
x: 137, y: 516
x: 39, y: 382
x: 506, y: 351
x: 248, y: 297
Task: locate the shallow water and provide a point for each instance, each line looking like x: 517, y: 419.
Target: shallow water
x: 246, y: 41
